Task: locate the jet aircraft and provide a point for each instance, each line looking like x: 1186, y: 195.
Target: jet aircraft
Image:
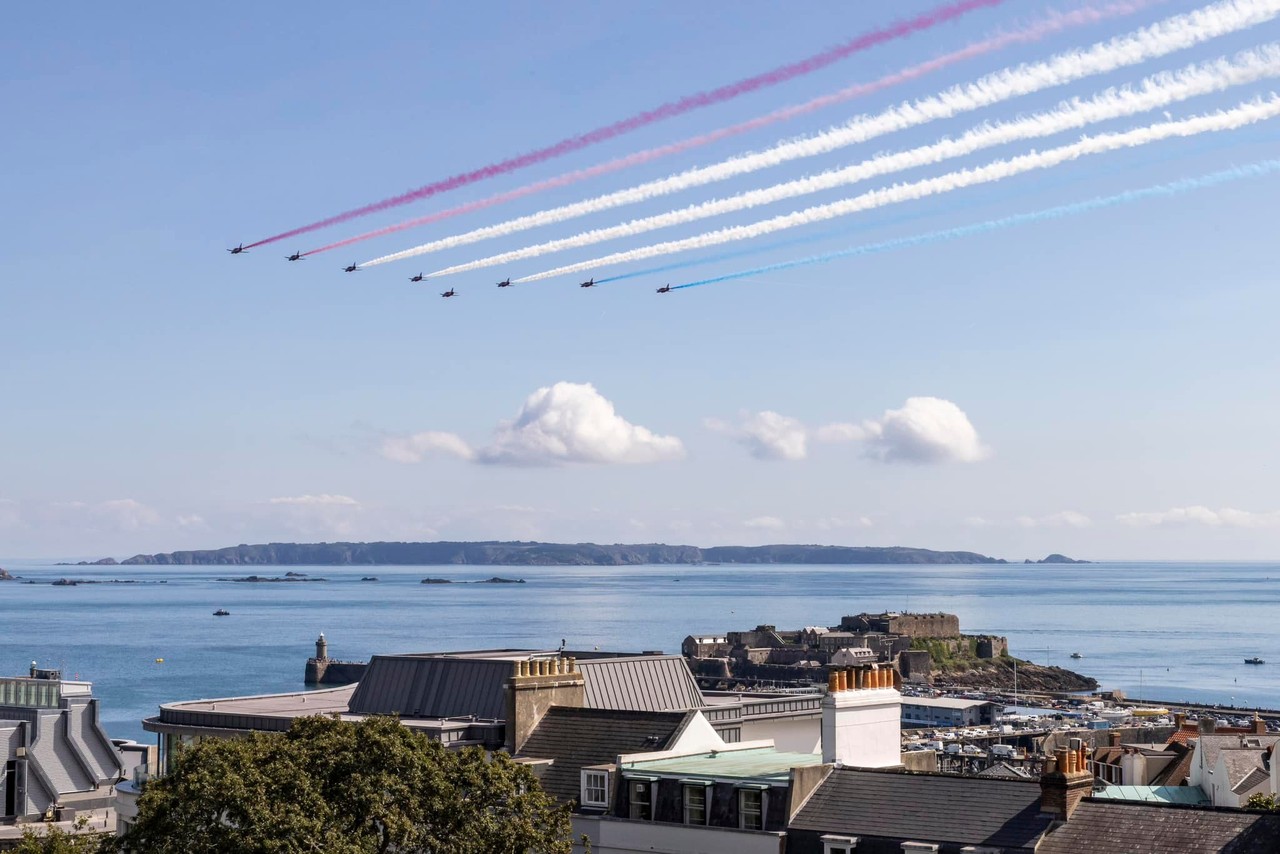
x: 665, y: 289
x: 417, y: 278
x: 297, y: 256
x: 505, y: 283
x: 238, y: 250
x: 449, y: 293
x: 589, y: 283
x: 350, y: 268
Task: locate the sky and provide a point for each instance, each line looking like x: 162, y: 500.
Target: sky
x: 1102, y: 385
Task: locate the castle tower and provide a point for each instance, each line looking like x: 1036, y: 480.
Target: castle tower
x: 862, y: 717
x: 322, y: 648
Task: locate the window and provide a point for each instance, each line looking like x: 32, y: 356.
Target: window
x: 839, y: 844
x: 695, y: 804
x: 641, y: 800
x: 751, y: 809
x: 595, y: 788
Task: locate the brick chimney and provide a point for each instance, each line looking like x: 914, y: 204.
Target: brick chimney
x: 1207, y: 724
x: 862, y: 717
x: 1066, y: 781
x: 535, y: 686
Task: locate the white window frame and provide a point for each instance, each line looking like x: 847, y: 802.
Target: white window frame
x: 839, y: 844
x: 742, y: 811
x: 632, y: 803
x: 595, y: 781
x: 702, y: 789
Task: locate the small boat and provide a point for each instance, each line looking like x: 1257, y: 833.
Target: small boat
x: 1254, y: 660
x: 222, y: 612
x: 1076, y: 655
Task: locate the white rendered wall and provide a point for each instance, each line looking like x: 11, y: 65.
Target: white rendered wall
x: 862, y: 728
x: 789, y: 735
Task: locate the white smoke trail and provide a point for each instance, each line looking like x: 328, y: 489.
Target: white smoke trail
x: 1156, y: 91
x: 1168, y: 36
x: 1244, y: 114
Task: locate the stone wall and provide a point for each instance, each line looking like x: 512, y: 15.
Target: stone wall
x: 328, y: 671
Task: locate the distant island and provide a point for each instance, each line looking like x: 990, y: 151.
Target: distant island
x: 5, y: 576
x: 496, y: 553
x: 1056, y: 558
x: 494, y: 580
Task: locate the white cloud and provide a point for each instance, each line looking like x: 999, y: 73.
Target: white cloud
x: 561, y: 424
x: 124, y: 514
x: 321, y: 500
x: 417, y: 447
x: 1225, y: 517
x: 832, y: 523
x: 925, y: 430
x: 766, y: 435
x: 765, y: 523
x: 193, y: 520
x: 1063, y: 519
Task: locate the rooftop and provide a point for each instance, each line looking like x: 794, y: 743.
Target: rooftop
x: 944, y: 702
x: 755, y: 763
x: 1144, y: 828
x: 1154, y: 794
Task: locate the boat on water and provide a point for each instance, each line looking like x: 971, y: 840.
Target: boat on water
x: 1254, y: 660
x: 1076, y: 655
x: 222, y: 612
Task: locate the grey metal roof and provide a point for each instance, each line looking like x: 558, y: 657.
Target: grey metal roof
x: 654, y: 683
x: 1112, y: 827
x: 578, y: 738
x: 433, y: 686
x: 927, y: 808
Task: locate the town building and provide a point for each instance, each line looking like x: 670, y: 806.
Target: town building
x: 57, y: 760
x: 947, y: 712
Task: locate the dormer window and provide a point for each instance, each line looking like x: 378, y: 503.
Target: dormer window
x: 641, y: 794
x: 751, y: 809
x: 595, y: 789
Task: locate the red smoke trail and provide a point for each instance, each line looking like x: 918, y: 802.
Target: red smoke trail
x: 666, y: 111
x: 1036, y: 32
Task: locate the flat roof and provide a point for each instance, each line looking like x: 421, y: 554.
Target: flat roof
x: 756, y: 763
x: 294, y: 704
x: 944, y: 702
x: 1154, y: 794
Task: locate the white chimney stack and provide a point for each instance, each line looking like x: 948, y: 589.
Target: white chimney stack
x: 862, y: 718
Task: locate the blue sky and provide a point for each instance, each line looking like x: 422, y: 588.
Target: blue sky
x: 1114, y: 374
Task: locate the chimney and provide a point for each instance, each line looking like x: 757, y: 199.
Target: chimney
x: 862, y: 717
x: 1259, y: 725
x: 1208, y: 724
x: 1065, y: 782
x: 534, y: 687
x: 1180, y: 719
x: 1115, y: 737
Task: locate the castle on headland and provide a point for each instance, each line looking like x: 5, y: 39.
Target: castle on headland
x: 909, y: 642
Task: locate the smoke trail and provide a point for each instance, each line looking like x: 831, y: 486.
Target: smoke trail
x: 1167, y: 36
x: 915, y: 216
x: 1173, y: 188
x: 1054, y: 23
x: 1157, y: 91
x: 1240, y: 116
x: 686, y: 104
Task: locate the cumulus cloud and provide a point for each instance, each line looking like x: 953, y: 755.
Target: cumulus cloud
x: 765, y: 523
x: 766, y: 435
x: 561, y: 424
x: 321, y: 500
x: 925, y: 430
x: 1063, y: 519
x: 1225, y: 517
x: 419, y: 446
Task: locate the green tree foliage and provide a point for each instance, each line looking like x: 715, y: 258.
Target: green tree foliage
x: 51, y: 839
x: 1262, y: 803
x: 331, y: 787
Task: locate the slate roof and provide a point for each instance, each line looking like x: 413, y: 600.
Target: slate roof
x: 1108, y: 827
x: 926, y: 808
x: 577, y: 738
x: 655, y: 683
x: 1177, y: 771
x: 1006, y: 771
x: 1254, y: 778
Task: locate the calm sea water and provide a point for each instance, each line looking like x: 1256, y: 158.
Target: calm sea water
x: 1177, y: 631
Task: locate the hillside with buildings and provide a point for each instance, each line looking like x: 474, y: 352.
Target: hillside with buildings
x: 547, y: 554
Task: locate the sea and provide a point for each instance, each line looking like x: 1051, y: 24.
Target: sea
x: 1167, y: 631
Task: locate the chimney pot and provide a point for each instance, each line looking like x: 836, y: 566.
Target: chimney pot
x: 832, y: 678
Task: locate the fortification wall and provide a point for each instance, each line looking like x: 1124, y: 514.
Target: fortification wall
x: 328, y: 671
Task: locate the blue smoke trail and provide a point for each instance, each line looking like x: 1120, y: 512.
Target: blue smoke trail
x: 1173, y: 188
x: 1004, y: 194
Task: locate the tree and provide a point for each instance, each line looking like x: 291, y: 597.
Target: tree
x: 331, y: 787
x: 1262, y: 803
x: 52, y: 839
